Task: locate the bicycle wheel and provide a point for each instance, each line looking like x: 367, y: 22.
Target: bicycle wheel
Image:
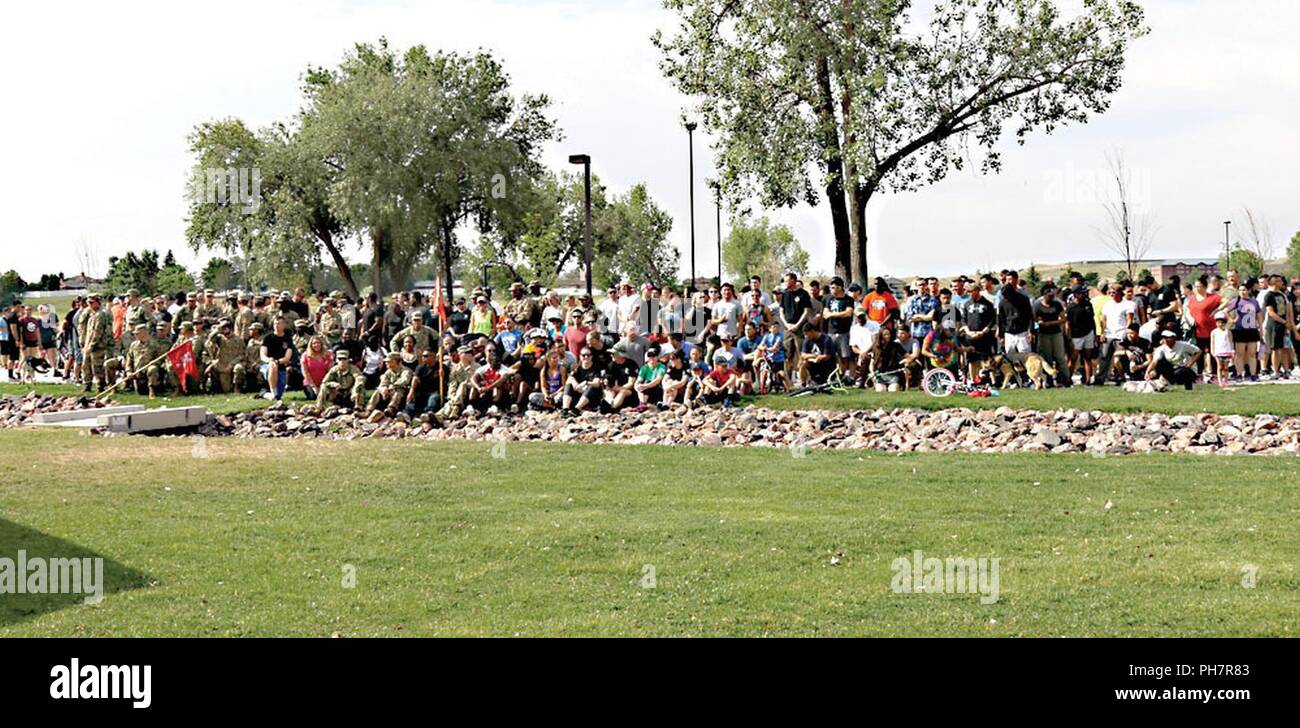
x: 939, y: 383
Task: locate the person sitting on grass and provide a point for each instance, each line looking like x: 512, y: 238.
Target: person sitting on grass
x: 1174, y: 361
x: 276, y: 355
x: 649, y: 381
x: 676, y: 377
x: 912, y: 362
x: 585, y: 388
x: 550, y: 390
x: 489, y: 388
x: 394, y: 386
x: 343, y: 386
x: 940, y: 347
x: 887, y: 358
x: 772, y: 359
x: 817, y: 360
x: 719, y: 387
x: 620, y: 376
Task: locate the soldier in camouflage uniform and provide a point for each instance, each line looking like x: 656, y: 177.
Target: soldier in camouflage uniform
x: 301, y: 335
x: 188, y: 312
x: 253, y: 355
x: 137, y: 312
x: 187, y: 334
x: 394, y: 384
x: 244, y: 317
x: 520, y: 306
x: 139, y: 362
x: 210, y: 308
x: 425, y: 337
x: 330, y: 325
x: 458, y: 383
x: 226, y: 352
x: 96, y: 342
x: 343, y: 386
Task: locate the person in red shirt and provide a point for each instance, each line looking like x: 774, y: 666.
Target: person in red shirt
x: 575, y: 334
x: 721, y: 384
x: 880, y: 304
x: 1201, y: 305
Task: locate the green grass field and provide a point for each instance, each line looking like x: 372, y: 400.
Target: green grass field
x: 254, y: 539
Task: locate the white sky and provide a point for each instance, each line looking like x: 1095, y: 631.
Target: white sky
x: 100, y: 96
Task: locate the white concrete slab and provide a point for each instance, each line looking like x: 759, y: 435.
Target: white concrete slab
x: 49, y: 418
x: 157, y: 419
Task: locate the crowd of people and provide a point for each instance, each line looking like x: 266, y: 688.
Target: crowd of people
x: 650, y: 346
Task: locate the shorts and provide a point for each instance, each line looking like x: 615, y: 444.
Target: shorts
x: 1203, y: 344
x: 1085, y: 343
x: 9, y: 348
x: 1016, y: 343
x: 1245, y: 336
x: 843, y: 349
x: 1275, y: 337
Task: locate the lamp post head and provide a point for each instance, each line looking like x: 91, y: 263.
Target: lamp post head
x: 579, y: 159
x: 691, y: 126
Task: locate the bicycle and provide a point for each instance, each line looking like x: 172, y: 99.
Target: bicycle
x: 943, y: 383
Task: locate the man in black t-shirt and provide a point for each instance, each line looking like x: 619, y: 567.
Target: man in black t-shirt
x: 424, y: 395
x: 837, y: 312
x: 586, y: 386
x: 458, y: 317
x: 817, y: 359
x: 1081, y: 329
x: 277, y: 356
x: 977, y: 330
x: 796, y: 312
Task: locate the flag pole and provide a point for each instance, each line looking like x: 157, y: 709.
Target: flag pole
x: 133, y: 374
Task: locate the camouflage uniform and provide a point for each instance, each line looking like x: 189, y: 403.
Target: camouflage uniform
x: 457, y: 389
x: 331, y: 327
x: 226, y: 367
x: 253, y: 356
x: 425, y: 339
x: 140, y: 357
x: 95, y: 346
x: 394, y: 385
x: 243, y: 320
x: 345, y: 388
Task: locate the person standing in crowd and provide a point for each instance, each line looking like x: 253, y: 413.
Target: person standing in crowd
x: 1081, y: 328
x: 98, y: 341
x: 1279, y: 325
x: 1201, y: 307
x: 796, y: 313
x: 921, y: 310
x: 1049, y: 315
x: 1221, y: 348
x: 1015, y: 319
x: 1118, y: 314
x: 837, y: 312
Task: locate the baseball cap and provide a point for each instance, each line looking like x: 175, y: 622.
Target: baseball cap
x: 1167, y: 334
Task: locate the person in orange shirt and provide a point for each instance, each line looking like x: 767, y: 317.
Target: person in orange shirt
x: 880, y: 304
x: 119, y: 318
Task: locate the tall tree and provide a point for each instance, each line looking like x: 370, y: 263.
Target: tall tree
x: 847, y: 99
x: 757, y: 247
x: 1293, y: 254
x: 1129, y: 227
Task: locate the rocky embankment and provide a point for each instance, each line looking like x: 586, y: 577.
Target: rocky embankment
x: 897, y: 430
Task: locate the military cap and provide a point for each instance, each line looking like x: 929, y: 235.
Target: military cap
x: 142, y: 327
x: 209, y: 292
x: 393, y: 356
x: 300, y: 324
x: 187, y: 325
x: 132, y: 292
x: 342, y: 354
x: 256, y: 326
x: 161, y: 326
x: 191, y: 296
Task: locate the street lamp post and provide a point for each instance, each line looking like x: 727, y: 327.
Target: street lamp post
x: 585, y: 161
x: 690, y: 136
x: 1227, y: 248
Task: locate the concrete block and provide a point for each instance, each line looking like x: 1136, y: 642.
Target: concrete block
x: 50, y: 418
x: 158, y: 419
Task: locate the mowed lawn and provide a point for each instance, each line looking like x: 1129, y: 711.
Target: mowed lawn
x: 230, y: 537
x: 1277, y: 399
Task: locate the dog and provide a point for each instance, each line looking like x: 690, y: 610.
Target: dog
x: 1034, y: 367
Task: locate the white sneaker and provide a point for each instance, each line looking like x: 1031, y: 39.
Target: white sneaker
x: 269, y: 396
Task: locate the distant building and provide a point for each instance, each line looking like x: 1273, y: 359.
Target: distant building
x: 80, y: 282
x: 1185, y: 268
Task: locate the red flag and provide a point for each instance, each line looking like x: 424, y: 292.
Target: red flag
x: 440, y: 305
x: 182, y: 359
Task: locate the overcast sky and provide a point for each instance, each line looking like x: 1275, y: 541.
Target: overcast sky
x: 100, y: 97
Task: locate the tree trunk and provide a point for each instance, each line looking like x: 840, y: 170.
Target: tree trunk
x: 858, y: 199
x: 377, y: 261
x: 834, y: 169
x: 345, y: 270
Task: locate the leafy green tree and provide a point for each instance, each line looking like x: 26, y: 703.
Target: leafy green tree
x: 398, y: 151
x: 12, y: 286
x: 813, y: 97
x: 173, y: 279
x: 220, y: 274
x: 759, y: 247
x: 634, y: 241
x: 1246, y: 262
x: 1033, y: 280
x: 48, y: 282
x: 138, y: 271
x: 1293, y: 254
